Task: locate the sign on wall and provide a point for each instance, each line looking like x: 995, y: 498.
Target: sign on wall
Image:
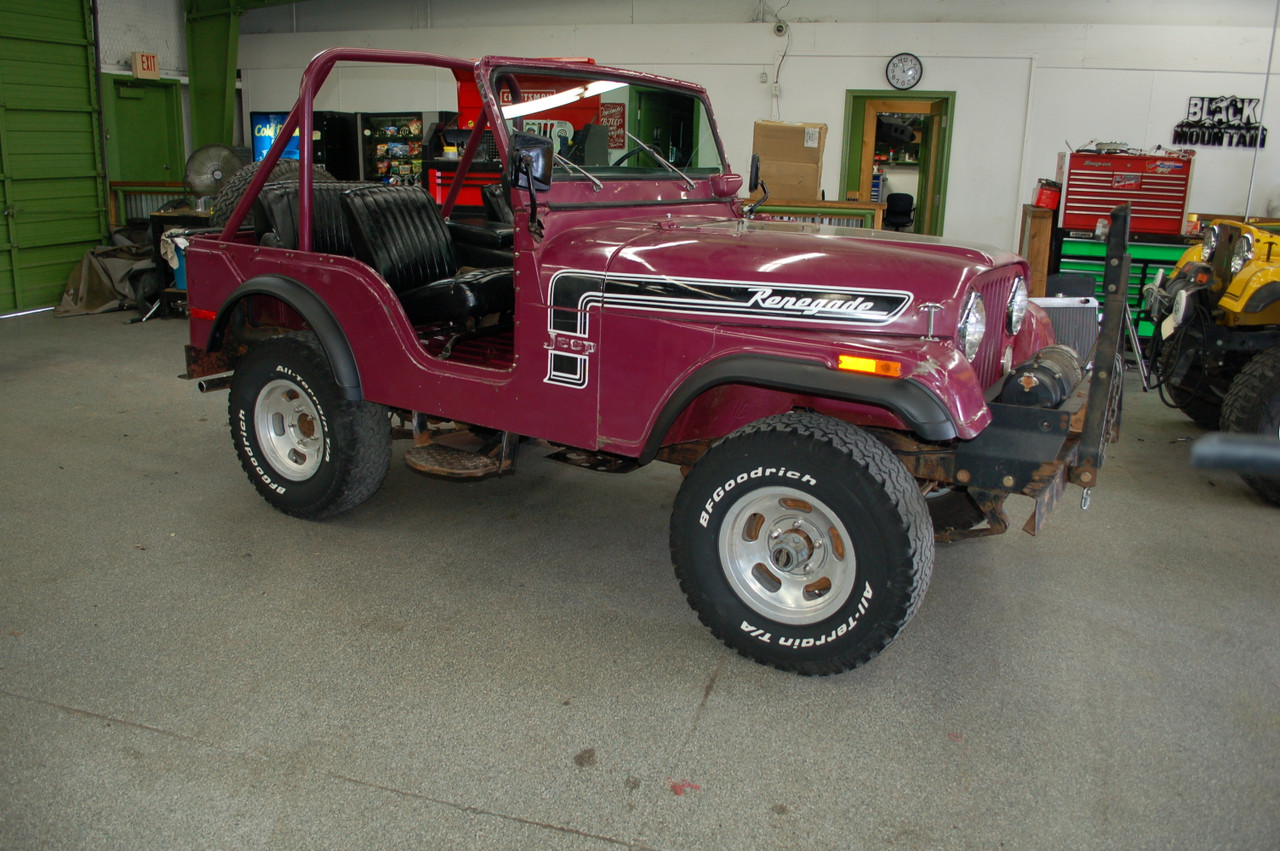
x: 614, y: 116
x: 1222, y: 122
x: 145, y: 66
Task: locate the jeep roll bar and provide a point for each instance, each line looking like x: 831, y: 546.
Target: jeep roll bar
x: 302, y: 119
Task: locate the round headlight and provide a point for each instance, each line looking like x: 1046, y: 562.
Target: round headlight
x: 1242, y: 254
x: 1209, y: 244
x: 973, y: 324
x: 1017, y: 305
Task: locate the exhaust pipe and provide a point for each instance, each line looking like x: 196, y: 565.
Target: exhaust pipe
x: 218, y: 382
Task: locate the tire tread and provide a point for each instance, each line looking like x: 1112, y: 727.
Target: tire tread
x: 908, y: 503
x: 228, y: 197
x: 363, y: 461
x: 1251, y: 392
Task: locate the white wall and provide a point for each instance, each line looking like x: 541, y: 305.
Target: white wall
x: 1023, y: 88
x: 146, y: 26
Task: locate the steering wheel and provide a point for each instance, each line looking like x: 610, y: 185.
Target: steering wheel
x: 628, y: 155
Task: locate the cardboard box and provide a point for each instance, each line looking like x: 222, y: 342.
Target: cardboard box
x: 790, y: 181
x: 790, y: 158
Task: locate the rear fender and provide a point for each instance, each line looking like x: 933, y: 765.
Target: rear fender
x: 311, y: 309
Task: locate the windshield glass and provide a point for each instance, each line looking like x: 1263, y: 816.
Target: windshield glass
x: 611, y: 129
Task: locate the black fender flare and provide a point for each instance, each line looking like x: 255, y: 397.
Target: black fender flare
x: 912, y: 402
x: 1267, y: 295
x: 313, y: 311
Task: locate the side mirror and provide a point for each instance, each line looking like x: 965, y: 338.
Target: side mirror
x: 531, y: 159
x: 725, y: 185
x: 756, y: 183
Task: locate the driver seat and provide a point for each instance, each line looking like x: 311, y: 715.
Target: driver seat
x: 399, y: 231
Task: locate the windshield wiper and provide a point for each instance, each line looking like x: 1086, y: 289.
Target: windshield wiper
x: 564, y: 161
x: 660, y: 158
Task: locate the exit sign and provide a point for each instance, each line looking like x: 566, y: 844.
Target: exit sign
x: 145, y: 66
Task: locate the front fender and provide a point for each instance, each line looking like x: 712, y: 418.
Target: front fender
x: 909, y: 400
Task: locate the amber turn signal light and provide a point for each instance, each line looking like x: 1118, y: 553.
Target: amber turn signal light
x: 870, y: 366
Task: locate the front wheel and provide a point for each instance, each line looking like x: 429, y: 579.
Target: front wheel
x: 802, y: 543
x: 1197, y: 394
x: 309, y: 451
x: 1253, y: 407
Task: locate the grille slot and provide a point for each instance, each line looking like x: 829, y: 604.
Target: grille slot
x: 994, y: 292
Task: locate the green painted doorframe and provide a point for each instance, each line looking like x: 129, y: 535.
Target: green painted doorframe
x: 852, y: 154
x: 213, y: 42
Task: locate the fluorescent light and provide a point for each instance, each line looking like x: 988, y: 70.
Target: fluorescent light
x: 577, y: 93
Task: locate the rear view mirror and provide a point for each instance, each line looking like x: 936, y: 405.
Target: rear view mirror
x: 754, y: 184
x: 531, y: 159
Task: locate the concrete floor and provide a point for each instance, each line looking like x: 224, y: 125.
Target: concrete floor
x: 510, y: 664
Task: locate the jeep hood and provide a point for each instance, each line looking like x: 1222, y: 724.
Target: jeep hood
x: 754, y: 272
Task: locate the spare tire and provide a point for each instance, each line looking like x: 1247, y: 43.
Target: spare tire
x: 224, y: 204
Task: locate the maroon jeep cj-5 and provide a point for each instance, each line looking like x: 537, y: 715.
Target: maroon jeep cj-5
x: 838, y: 398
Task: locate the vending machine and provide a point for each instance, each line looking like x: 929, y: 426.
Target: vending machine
x: 393, y: 145
x: 334, y: 141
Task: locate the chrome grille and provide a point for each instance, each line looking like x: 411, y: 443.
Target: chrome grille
x: 994, y: 288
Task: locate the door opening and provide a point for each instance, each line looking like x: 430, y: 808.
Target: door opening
x: 899, y: 143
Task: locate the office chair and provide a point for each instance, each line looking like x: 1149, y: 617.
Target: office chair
x: 899, y: 211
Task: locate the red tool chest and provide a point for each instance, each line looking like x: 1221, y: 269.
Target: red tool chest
x: 1155, y: 185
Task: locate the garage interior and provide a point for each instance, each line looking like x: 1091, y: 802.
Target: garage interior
x: 509, y: 663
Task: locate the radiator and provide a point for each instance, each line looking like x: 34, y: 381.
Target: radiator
x: 1075, y: 322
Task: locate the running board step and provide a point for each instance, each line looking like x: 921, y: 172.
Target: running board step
x: 436, y: 459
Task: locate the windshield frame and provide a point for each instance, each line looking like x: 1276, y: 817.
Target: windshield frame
x: 491, y: 70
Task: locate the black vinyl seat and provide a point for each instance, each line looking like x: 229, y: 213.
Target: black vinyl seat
x: 276, y: 212
x: 399, y: 231
x: 497, y: 204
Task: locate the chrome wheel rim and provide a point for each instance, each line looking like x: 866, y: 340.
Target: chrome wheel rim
x: 787, y: 555
x: 289, y: 430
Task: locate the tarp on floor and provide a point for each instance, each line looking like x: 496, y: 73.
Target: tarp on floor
x: 105, y: 280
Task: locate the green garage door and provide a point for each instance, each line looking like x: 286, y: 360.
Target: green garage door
x: 51, y: 189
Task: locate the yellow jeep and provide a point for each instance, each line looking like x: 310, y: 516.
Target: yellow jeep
x: 1216, y: 348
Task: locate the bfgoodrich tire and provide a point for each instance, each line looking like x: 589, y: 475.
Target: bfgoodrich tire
x: 310, y: 452
x: 802, y: 543
x: 1253, y: 407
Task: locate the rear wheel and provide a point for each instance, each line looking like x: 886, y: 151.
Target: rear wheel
x: 802, y: 543
x: 1253, y: 407
x: 309, y: 451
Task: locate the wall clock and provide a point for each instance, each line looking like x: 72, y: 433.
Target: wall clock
x: 904, y: 71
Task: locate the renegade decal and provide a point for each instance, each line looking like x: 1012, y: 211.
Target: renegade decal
x: 573, y: 293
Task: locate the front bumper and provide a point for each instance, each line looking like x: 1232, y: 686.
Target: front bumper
x: 1037, y: 451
